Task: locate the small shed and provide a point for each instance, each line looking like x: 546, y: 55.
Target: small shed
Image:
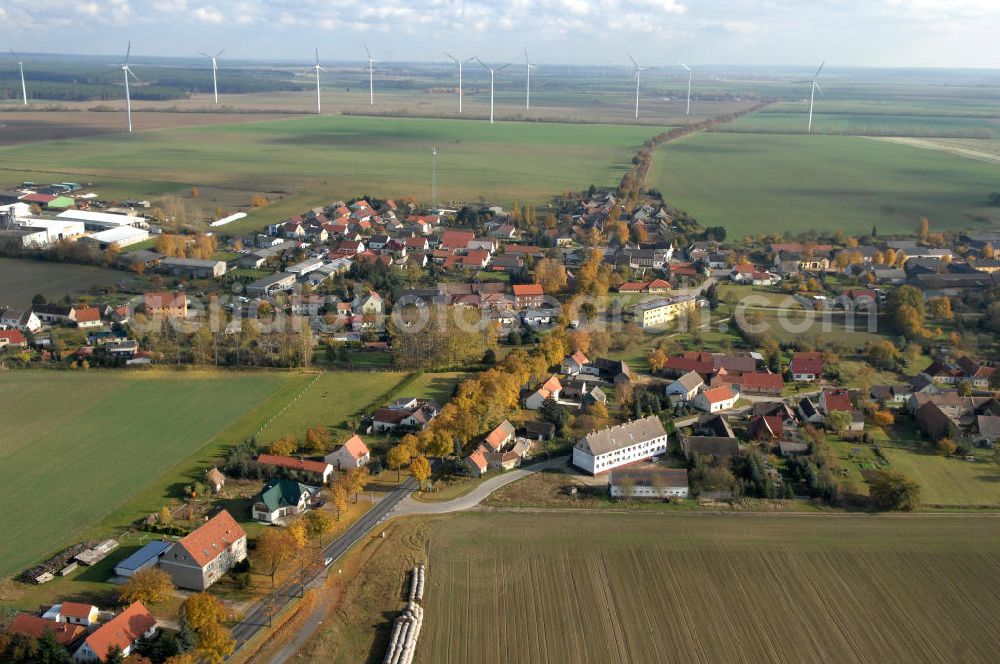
x: 215, y: 479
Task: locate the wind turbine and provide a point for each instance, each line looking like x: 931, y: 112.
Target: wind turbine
x: 690, y: 74
x: 371, y: 76
x: 215, y: 68
x: 492, y: 71
x: 459, y: 63
x: 126, y: 71
x: 318, y: 68
x: 638, y: 72
x: 527, y: 90
x: 20, y: 65
x: 812, y: 93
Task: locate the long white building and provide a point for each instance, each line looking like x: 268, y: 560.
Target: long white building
x: 102, y: 220
x: 600, y: 451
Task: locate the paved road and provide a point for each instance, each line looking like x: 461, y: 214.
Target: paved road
x: 409, y: 506
x: 256, y: 618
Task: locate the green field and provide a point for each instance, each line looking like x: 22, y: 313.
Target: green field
x: 755, y: 183
x: 339, y: 156
x: 22, y: 279
x: 594, y: 587
x: 949, y: 482
x: 786, y: 120
x: 76, y: 448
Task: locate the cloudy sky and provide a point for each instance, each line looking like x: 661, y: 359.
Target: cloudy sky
x: 920, y: 33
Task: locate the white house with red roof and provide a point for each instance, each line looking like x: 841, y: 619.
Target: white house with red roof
x: 574, y: 364
x: 550, y: 388
x: 352, y: 454
x: 528, y: 296
x: 476, y: 462
x: 320, y: 469
x: 831, y: 400
x: 13, y: 339
x: 715, y: 399
x: 88, y: 317
x: 201, y: 558
x: 122, y: 632
x: 806, y: 367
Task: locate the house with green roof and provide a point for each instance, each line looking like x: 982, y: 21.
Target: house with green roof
x: 281, y: 498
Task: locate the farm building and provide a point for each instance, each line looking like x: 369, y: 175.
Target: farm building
x: 648, y: 482
x: 55, y: 229
x: 600, y: 451
x: 36, y: 627
x: 715, y: 399
x: 201, y: 558
x: 193, y: 268
x: 99, y: 221
x: 125, y: 236
x: 320, y: 470
x: 147, y: 556
x: 272, y: 284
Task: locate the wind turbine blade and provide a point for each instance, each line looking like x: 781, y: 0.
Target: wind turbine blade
x: 485, y: 66
x: 220, y: 52
x: 526, y: 60
x: 501, y: 67
x: 819, y: 87
x: 132, y: 74
x: 816, y: 75
x: 317, y: 55
x: 205, y: 54
x: 128, y: 52
x: 322, y: 68
x: 685, y: 66
x: 12, y: 53
x: 450, y: 56
x: 367, y: 51
x: 632, y: 59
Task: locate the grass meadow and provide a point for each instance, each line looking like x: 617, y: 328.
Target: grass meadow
x: 22, y: 279
x: 77, y: 448
x: 757, y: 183
x: 328, y: 157
x: 589, y: 586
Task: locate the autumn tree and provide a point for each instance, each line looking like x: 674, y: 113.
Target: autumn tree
x: 551, y: 275
x: 421, y: 469
x: 202, y: 609
x: 579, y: 340
x: 883, y: 418
x: 215, y: 642
x: 274, y: 547
x: 356, y: 480
x: 298, y: 531
x: 165, y: 516
x: 151, y: 585
x: 923, y: 228
x: 339, y: 497
x: 657, y: 360
x: 939, y: 308
x: 318, y: 439
x: 397, y: 457
x: 318, y: 523
x: 284, y: 446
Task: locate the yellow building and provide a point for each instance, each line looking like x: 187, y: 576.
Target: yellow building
x: 661, y: 311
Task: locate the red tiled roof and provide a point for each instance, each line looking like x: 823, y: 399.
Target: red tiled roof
x: 34, y: 626
x: 122, y: 630
x: 580, y: 358
x: 38, y: 198
x: 13, y: 336
x: 528, y: 289
x: 807, y: 363
x: 88, y: 314
x: 633, y: 287
x: 551, y: 385
x: 164, y: 300
x: 479, y: 459
x: 523, y: 249
x: 659, y: 283
x: 718, y: 394
x: 356, y: 447
x: 213, y: 537
x: 761, y: 380
x: 837, y: 400
x: 496, y: 437
x: 76, y: 610
x: 292, y: 463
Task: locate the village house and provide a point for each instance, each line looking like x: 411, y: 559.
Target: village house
x: 806, y: 367
x: 715, y: 399
x: 476, y: 462
x: 685, y: 388
x: 35, y: 627
x: 122, y: 632
x: 574, y: 364
x: 352, y: 454
x: 648, y: 482
x: 406, y: 412
x: 88, y: 317
x: 19, y: 319
x: 55, y: 314
x: 201, y: 558
x: 550, y: 388
x: 281, y: 498
x: 662, y: 310
x: 600, y: 451
x: 165, y: 305
x: 316, y: 470
x: 12, y: 339
x: 528, y: 296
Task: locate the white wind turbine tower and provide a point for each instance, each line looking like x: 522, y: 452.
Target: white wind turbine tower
x: 215, y: 69
x: 638, y: 72
x: 492, y: 71
x: 24, y: 88
x: 459, y: 63
x: 812, y: 93
x: 690, y: 74
x: 126, y: 71
x: 318, y: 68
x: 527, y: 89
x: 371, y: 76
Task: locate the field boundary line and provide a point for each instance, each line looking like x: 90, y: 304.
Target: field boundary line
x: 291, y: 401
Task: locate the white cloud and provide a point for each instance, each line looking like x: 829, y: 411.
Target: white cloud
x: 208, y: 15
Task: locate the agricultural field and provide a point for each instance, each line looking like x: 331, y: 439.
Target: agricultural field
x: 331, y: 156
x: 782, y: 121
x: 779, y: 183
x: 77, y: 447
x: 22, y: 279
x: 598, y: 587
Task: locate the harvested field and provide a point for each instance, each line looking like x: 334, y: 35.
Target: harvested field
x: 598, y: 587
x: 31, y: 126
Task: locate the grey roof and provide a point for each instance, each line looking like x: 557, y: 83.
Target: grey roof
x: 988, y: 426
x: 690, y: 381
x: 710, y: 446
x: 650, y: 476
x: 623, y: 435
x: 790, y: 447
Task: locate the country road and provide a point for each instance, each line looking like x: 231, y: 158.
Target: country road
x: 257, y: 617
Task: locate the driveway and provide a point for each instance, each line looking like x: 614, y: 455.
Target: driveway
x: 408, y: 506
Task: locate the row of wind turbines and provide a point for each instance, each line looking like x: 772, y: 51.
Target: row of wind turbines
x: 492, y: 69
